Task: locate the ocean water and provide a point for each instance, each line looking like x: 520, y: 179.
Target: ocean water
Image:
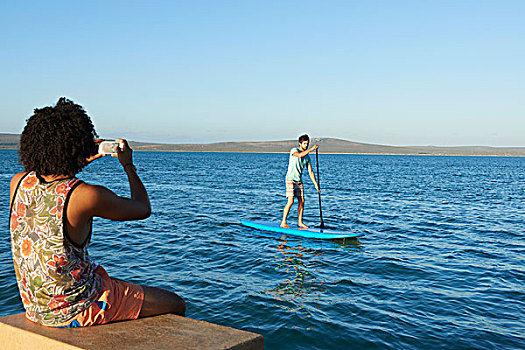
x: 441, y: 264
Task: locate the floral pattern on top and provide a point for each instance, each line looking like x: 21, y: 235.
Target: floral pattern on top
x: 55, y: 277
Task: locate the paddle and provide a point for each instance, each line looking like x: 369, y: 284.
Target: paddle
x: 319, y: 184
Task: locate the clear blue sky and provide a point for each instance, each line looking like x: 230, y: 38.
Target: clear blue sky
x: 390, y: 72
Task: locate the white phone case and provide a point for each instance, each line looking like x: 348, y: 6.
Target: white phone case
x: 109, y: 147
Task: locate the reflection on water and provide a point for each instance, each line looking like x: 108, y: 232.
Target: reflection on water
x: 299, y: 264
x: 304, y: 286
x: 348, y: 243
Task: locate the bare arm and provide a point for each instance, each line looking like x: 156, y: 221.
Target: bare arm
x: 304, y: 153
x: 90, y: 200
x: 12, y: 187
x: 137, y: 189
x: 312, y: 176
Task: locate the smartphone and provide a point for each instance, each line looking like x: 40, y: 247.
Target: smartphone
x: 109, y: 147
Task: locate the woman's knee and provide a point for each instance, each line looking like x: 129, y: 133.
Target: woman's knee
x: 174, y: 302
x: 160, y: 301
x: 178, y: 304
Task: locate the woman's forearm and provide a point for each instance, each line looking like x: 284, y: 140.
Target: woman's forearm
x: 137, y: 189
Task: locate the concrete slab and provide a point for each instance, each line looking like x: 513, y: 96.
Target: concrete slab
x: 159, y: 332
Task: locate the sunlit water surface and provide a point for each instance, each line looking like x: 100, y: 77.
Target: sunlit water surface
x: 441, y: 264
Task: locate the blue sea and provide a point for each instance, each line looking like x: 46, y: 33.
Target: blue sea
x: 441, y: 264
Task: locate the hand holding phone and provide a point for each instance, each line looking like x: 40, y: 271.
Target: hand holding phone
x: 125, y: 153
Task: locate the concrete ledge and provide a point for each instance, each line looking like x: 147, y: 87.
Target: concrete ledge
x: 159, y: 332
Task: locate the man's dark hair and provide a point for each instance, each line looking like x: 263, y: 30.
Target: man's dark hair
x: 304, y: 138
x: 57, y: 140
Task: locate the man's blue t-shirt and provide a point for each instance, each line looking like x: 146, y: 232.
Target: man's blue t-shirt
x: 296, y: 166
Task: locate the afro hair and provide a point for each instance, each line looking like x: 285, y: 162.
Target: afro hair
x: 57, y: 140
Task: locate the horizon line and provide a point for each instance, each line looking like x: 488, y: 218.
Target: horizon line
x: 292, y: 140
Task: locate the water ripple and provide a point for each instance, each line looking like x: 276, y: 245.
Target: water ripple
x: 441, y: 265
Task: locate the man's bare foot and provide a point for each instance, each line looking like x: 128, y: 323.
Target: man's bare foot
x: 302, y: 225
x: 283, y: 224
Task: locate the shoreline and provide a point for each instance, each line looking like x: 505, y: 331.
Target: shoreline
x: 349, y: 153
x: 327, y: 145
x: 324, y: 153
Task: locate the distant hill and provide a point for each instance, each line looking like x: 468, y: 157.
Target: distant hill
x: 326, y: 145
x: 9, y: 141
x: 331, y: 145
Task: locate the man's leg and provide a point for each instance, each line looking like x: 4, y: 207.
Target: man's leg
x: 286, y: 211
x: 159, y: 301
x: 300, y: 212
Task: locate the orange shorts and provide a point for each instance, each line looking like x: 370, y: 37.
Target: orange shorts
x: 118, y: 301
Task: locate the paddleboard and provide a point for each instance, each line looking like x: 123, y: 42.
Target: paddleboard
x: 297, y: 231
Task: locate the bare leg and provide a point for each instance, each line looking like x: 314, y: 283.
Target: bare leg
x: 300, y: 213
x: 286, y: 211
x: 159, y: 301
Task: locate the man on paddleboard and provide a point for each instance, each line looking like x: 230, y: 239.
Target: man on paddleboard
x: 299, y: 158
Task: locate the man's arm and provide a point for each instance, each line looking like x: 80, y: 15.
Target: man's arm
x: 304, y: 153
x: 312, y: 176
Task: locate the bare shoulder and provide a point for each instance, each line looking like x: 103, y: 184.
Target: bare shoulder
x: 88, y: 192
x: 87, y: 200
x: 16, y: 179
x: 14, y: 182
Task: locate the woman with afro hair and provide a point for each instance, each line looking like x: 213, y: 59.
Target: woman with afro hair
x: 51, y: 220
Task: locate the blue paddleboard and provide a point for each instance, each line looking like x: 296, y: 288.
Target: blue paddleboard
x: 302, y: 232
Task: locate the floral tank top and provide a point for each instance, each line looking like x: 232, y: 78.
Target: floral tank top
x: 55, y: 276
